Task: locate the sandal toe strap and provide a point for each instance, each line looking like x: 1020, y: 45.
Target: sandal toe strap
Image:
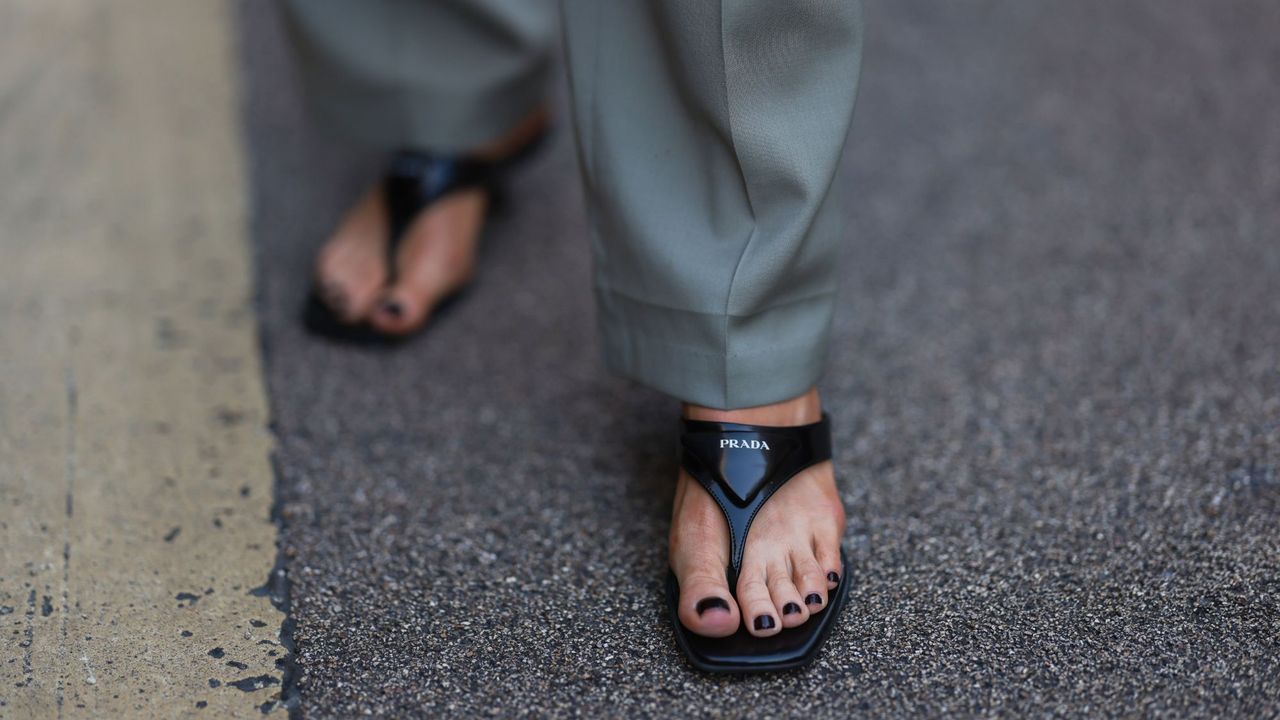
x: 742, y: 466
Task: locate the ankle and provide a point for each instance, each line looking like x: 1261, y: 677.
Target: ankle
x: 800, y: 410
x: 516, y: 138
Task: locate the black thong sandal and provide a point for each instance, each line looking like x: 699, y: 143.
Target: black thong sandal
x: 414, y: 180
x: 742, y: 466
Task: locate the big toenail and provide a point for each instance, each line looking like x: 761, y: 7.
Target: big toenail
x: 706, y: 604
x: 790, y: 609
x: 833, y: 578
x: 764, y: 622
x: 393, y: 308
x: 813, y: 599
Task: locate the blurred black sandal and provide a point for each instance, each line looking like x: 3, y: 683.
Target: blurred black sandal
x: 742, y: 466
x: 414, y: 180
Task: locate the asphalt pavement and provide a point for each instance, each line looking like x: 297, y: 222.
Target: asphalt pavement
x: 1055, y: 383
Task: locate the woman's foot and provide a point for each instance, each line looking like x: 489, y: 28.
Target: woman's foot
x: 435, y: 257
x: 792, y: 556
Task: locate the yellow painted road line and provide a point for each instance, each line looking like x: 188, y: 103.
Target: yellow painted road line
x: 134, y: 474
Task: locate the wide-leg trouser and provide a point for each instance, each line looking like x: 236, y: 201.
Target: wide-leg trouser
x: 708, y: 132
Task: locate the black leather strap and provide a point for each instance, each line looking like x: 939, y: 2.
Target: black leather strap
x: 742, y: 466
x: 415, y: 179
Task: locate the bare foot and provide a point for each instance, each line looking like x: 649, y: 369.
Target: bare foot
x: 351, y: 268
x: 792, y: 556
x: 434, y: 258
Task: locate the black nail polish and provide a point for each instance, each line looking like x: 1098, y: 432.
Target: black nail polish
x: 833, y: 577
x: 790, y: 609
x: 813, y: 599
x: 764, y: 622
x: 706, y: 604
x: 393, y: 308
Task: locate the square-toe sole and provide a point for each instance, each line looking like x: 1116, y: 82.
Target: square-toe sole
x: 743, y: 652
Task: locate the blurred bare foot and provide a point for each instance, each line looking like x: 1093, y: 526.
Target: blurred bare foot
x: 434, y: 258
x: 792, y: 556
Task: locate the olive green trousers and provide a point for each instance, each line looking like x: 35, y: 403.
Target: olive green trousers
x: 708, y: 133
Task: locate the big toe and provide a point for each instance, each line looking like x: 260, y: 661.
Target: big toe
x: 401, y: 310
x: 699, y: 547
x: 435, y: 259
x: 706, y: 605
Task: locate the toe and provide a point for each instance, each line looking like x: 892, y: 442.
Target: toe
x: 435, y: 258
x: 786, y: 598
x: 699, y: 546
x: 810, y: 580
x: 706, y: 605
x: 760, y: 615
x: 350, y: 268
x: 400, y: 310
x: 826, y: 548
x: 348, y: 284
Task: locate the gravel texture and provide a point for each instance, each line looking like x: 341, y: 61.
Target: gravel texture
x: 1055, y: 382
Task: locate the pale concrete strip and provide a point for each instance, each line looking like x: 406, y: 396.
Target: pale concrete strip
x: 134, y: 474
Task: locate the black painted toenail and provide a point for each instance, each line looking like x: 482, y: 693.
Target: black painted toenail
x: 790, y: 609
x: 813, y: 599
x: 764, y: 622
x: 393, y: 308
x: 706, y: 604
x: 833, y: 577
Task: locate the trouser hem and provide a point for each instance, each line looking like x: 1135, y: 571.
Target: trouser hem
x: 716, y: 360
x: 448, y: 120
